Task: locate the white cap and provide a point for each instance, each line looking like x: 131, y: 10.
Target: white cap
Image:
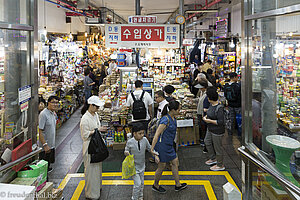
x: 95, y: 100
x: 198, y: 86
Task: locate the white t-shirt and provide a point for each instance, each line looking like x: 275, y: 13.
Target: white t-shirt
x: 146, y: 99
x: 160, y: 108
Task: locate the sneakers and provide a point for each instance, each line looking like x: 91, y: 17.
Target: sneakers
x: 183, y: 186
x: 202, y: 143
x: 50, y: 169
x: 159, y: 190
x: 211, y: 162
x: 217, y: 168
x: 163, y: 190
x: 205, y: 150
x: 151, y: 159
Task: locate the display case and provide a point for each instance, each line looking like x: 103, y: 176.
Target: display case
x: 128, y: 75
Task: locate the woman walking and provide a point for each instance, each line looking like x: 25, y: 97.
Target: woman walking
x: 92, y: 171
x: 163, y: 144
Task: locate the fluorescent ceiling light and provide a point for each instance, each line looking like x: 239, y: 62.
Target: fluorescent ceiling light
x: 203, y: 11
x: 94, y: 24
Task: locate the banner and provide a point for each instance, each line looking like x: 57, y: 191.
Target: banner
x: 141, y: 36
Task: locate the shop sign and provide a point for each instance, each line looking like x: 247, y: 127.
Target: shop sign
x: 147, y: 80
x: 187, y: 42
x: 142, y: 19
x: 24, y: 106
x: 141, y: 36
x: 231, y: 58
x: 126, y: 50
x: 221, y: 28
x: 24, y: 94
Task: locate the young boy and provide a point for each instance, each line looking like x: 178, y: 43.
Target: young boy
x: 137, y: 147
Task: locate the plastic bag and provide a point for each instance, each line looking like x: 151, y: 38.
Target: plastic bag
x: 128, y: 167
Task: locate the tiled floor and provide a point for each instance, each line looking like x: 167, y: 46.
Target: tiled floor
x: 191, y: 158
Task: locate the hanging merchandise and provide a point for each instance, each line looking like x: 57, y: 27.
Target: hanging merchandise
x: 62, y: 74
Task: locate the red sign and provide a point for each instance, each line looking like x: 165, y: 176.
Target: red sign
x: 142, y: 33
x: 126, y: 50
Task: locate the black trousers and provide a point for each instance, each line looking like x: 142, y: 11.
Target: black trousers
x: 202, y: 127
x: 49, y: 157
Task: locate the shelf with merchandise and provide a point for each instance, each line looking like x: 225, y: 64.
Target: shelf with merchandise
x: 287, y: 55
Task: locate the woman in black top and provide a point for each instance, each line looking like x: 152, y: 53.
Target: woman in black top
x: 215, y: 130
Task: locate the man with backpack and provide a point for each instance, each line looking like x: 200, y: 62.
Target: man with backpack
x: 232, y: 92
x: 140, y: 103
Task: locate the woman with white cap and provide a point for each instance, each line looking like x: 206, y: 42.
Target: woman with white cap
x: 92, y: 171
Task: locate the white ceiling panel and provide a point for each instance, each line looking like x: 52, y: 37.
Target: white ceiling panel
x: 126, y: 8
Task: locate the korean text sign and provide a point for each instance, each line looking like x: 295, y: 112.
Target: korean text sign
x: 139, y: 36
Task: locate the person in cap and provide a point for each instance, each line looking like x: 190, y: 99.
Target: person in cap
x: 169, y: 89
x: 92, y: 171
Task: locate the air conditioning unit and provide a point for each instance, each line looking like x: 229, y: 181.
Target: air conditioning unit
x: 93, y: 20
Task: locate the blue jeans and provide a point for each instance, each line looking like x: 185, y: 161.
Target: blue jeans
x: 232, y: 115
x: 87, y: 94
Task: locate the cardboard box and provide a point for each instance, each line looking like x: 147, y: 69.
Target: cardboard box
x: 24, y: 181
x: 186, y: 136
x: 46, y: 192
x: 185, y: 123
x: 119, y: 145
x: 37, y: 169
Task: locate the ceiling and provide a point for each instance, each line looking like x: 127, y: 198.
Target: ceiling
x: 126, y: 8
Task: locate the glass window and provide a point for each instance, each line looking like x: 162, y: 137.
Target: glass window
x: 14, y: 74
x: 266, y: 187
x: 274, y: 47
x: 14, y: 11
x: 285, y: 3
x: 257, y: 6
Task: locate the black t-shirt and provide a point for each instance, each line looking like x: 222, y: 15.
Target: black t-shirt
x: 236, y: 100
x: 216, y: 113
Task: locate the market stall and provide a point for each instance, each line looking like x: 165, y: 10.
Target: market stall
x: 61, y: 73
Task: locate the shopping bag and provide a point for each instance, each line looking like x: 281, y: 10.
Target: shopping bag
x: 128, y: 168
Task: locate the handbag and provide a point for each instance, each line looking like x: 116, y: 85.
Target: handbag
x: 50, y: 157
x: 97, y: 148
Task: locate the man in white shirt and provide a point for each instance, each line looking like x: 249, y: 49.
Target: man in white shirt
x: 148, y: 101
x: 112, y: 67
x: 161, y: 100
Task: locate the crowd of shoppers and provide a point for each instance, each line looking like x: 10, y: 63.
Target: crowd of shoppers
x: 210, y: 115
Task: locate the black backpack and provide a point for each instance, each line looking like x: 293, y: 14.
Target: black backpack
x: 97, y: 148
x: 138, y: 109
x: 229, y: 91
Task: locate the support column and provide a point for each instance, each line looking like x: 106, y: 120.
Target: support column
x: 181, y: 12
x: 137, y: 12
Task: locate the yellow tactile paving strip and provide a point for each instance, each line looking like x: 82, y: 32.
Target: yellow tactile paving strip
x: 206, y: 183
